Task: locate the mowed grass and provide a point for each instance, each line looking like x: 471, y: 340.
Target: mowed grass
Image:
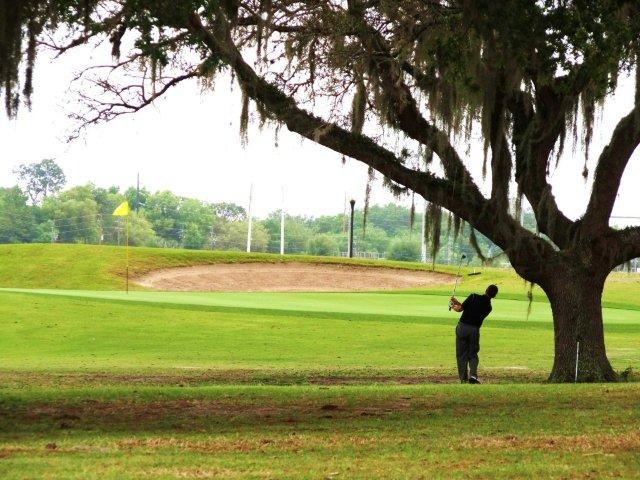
x: 316, y: 332
x: 310, y: 432
x: 100, y: 384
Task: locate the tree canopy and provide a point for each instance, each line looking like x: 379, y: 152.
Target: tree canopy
x: 41, y: 179
x: 528, y: 73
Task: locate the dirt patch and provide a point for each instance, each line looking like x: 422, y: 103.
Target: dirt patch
x: 603, y: 443
x: 255, y: 376
x: 195, y: 414
x: 288, y: 277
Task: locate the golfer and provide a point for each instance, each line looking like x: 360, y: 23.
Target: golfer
x: 474, y: 310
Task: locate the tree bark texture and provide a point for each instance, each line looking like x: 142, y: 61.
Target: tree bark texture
x: 575, y: 294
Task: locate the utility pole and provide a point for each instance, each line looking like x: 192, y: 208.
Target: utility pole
x: 250, y: 220
x: 53, y: 233
x: 282, y: 225
x: 352, y: 202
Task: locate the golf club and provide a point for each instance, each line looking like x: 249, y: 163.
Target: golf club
x: 457, y: 277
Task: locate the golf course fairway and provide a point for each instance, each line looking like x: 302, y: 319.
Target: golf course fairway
x: 103, y: 384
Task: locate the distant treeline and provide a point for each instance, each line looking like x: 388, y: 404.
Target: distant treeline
x: 83, y: 214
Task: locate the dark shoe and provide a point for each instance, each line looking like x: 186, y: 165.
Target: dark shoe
x: 474, y: 380
x: 464, y: 381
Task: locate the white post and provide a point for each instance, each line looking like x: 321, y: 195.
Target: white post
x: 250, y: 219
x: 423, y: 240
x: 577, y: 356
x: 282, y: 225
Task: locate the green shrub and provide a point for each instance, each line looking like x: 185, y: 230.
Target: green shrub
x: 323, y: 245
x: 405, y: 250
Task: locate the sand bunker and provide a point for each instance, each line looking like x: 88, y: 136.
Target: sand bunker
x: 287, y: 277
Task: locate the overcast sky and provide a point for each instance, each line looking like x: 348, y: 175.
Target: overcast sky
x: 188, y: 143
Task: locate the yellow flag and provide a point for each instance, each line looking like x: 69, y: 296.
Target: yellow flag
x: 122, y: 210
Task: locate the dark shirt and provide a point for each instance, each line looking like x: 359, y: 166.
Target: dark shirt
x: 475, y: 309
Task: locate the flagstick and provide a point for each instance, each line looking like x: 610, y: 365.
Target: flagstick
x: 123, y: 211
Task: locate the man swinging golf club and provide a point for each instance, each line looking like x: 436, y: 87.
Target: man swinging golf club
x: 474, y: 310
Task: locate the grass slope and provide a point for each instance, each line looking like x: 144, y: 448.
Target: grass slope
x: 96, y: 267
x: 93, y: 267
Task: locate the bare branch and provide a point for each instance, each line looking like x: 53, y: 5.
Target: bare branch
x: 106, y: 25
x: 123, y: 100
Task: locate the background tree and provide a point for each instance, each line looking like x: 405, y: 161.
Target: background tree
x: 376, y: 239
x: 520, y: 74
x: 404, y: 249
x: 41, y: 179
x: 140, y: 231
x: 229, y: 211
x: 196, y: 220
x: 17, y: 219
x: 107, y: 199
x: 233, y: 236
x: 137, y: 198
x: 162, y: 210
x: 323, y: 245
x: 75, y: 217
x: 297, y: 233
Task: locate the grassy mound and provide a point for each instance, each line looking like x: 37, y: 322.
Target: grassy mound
x: 97, y: 267
x: 94, y: 267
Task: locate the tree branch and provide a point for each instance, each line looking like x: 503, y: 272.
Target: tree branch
x: 467, y: 203
x: 126, y: 100
x: 628, y: 245
x: 611, y: 165
x: 501, y: 162
x: 404, y: 109
x: 535, y: 132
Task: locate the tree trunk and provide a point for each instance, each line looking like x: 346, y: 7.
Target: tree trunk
x: 576, y: 303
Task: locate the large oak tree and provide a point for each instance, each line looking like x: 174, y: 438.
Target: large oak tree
x: 399, y: 86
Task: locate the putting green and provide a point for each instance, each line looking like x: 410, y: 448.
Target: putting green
x: 395, y: 304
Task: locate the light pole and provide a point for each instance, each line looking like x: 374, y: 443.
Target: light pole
x: 352, y: 202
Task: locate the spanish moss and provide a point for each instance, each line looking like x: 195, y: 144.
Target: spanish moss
x: 412, y: 212
x: 371, y: 176
x: 244, y: 119
x: 473, y: 241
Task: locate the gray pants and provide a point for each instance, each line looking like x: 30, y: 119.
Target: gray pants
x: 467, y: 348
